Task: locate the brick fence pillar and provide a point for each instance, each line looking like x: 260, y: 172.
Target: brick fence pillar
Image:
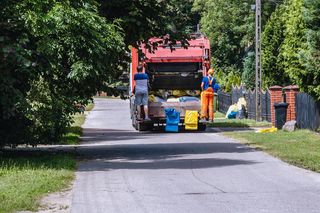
x: 275, y: 97
x: 291, y: 92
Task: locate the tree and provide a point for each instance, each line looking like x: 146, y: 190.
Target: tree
x: 272, y: 40
x: 310, y: 57
x: 143, y: 19
x: 248, y: 75
x: 16, y: 70
x: 294, y: 40
x: 62, y: 53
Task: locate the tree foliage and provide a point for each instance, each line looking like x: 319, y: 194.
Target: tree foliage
x: 272, y: 60
x: 248, y: 75
x: 310, y: 56
x: 143, y: 19
x: 294, y: 40
x: 55, y: 54
x: 229, y: 24
x: 291, y: 46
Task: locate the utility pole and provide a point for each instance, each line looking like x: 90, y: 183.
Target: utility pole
x: 258, y: 87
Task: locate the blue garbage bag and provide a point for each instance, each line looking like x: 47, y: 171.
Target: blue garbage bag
x: 188, y: 98
x: 172, y: 120
x: 232, y: 115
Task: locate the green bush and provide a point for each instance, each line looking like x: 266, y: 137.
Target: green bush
x: 56, y: 54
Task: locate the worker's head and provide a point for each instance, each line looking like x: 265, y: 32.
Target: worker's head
x: 210, y: 72
x: 139, y: 68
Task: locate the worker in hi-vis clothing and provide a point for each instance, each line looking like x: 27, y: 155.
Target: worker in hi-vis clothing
x: 207, y: 95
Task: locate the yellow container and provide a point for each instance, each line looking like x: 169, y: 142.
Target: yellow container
x: 191, y: 120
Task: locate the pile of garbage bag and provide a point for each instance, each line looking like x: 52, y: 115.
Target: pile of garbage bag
x: 237, y: 110
x: 174, y: 96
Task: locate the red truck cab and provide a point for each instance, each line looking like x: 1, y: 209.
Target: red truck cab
x: 169, y: 69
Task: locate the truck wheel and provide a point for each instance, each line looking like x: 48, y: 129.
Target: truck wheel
x: 202, y: 127
x: 134, y: 121
x: 144, y: 126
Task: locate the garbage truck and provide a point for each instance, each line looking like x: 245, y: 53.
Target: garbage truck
x: 175, y: 74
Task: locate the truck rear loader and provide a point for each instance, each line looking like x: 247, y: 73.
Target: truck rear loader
x: 172, y: 70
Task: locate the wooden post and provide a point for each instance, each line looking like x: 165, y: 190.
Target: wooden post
x: 258, y: 61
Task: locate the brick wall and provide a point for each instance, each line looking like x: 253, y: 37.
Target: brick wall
x: 291, y: 92
x: 275, y: 97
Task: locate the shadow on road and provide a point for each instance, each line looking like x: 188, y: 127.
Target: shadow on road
x: 189, y: 163
x: 160, y: 151
x: 92, y: 135
x: 151, y: 152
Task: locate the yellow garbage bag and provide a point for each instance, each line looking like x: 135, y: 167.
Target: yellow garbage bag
x: 272, y: 129
x: 191, y: 120
x: 152, y: 98
x: 179, y: 93
x: 193, y: 93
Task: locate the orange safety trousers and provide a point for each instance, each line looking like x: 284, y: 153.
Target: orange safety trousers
x: 207, y: 97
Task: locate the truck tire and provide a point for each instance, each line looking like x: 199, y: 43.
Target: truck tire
x: 144, y: 126
x: 134, y: 121
x: 202, y: 127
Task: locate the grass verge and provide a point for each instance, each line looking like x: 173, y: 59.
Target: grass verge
x: 221, y: 121
x: 26, y: 176
x: 75, y: 131
x: 300, y: 148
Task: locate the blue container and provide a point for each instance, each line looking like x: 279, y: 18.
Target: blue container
x: 172, y: 120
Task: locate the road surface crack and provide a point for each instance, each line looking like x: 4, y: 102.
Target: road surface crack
x: 202, y: 181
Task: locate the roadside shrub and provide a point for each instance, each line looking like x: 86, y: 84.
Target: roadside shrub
x: 54, y: 55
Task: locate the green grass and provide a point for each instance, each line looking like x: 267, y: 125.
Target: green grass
x: 75, y: 131
x: 219, y: 115
x: 238, y: 123
x: 221, y: 121
x: 27, y: 176
x: 89, y: 107
x: 300, y: 148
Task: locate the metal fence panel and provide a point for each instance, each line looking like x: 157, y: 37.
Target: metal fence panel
x: 227, y: 99
x: 224, y: 101
x: 307, y: 112
x: 251, y: 107
x: 237, y: 92
x: 265, y: 106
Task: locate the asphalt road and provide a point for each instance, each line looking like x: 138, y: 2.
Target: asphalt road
x: 127, y: 171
